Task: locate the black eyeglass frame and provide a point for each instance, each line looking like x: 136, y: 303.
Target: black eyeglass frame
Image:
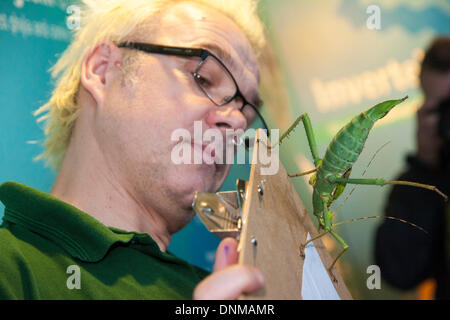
x: 195, y: 52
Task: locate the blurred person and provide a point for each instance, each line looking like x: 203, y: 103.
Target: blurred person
x: 407, y: 256
x: 118, y: 198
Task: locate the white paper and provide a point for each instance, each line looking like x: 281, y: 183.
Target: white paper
x: 316, y: 282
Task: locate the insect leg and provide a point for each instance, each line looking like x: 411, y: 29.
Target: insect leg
x: 381, y: 182
x: 309, y: 133
x: 303, y: 246
x: 344, y: 246
x: 327, y: 217
x: 302, y: 173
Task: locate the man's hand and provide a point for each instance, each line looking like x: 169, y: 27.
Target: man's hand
x: 228, y: 280
x: 429, y: 142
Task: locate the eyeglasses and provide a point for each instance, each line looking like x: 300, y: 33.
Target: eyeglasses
x: 213, y: 78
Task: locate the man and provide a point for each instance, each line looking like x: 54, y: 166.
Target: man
x: 104, y: 230
x: 407, y: 256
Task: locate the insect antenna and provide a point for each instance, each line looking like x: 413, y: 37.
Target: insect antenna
x: 385, y: 217
x: 364, y: 172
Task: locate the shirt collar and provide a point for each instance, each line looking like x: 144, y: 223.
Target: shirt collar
x: 78, y: 233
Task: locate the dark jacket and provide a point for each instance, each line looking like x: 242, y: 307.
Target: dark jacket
x: 406, y: 255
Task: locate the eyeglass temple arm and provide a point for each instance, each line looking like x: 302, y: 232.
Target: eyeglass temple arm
x: 152, y: 48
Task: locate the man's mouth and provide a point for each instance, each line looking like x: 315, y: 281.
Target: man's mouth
x: 208, y: 155
x: 210, y: 150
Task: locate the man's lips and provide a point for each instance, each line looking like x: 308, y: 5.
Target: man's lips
x: 210, y: 148
x: 208, y: 153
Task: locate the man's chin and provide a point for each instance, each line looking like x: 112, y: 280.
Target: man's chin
x: 203, y: 180
x: 222, y: 171
x: 210, y: 180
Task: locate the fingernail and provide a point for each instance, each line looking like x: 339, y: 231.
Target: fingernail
x: 227, y: 249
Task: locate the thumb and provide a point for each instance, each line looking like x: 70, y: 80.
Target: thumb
x: 226, y: 254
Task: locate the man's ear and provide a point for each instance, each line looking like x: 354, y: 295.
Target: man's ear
x: 99, y: 67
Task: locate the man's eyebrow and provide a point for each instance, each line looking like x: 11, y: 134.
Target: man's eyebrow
x: 226, y: 58
x: 220, y: 53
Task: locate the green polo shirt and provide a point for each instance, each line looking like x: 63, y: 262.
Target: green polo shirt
x: 52, y: 250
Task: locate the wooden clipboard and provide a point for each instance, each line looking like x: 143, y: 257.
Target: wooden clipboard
x: 270, y: 221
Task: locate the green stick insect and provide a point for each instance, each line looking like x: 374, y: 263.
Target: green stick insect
x: 331, y: 173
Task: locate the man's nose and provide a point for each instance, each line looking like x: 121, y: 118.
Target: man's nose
x: 226, y: 117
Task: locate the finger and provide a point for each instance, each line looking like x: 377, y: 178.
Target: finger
x: 229, y: 283
x: 226, y: 254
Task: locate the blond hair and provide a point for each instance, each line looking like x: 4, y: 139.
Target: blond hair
x: 116, y: 21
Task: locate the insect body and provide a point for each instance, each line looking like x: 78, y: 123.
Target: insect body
x: 333, y: 170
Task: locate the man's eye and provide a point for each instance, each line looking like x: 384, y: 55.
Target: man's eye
x: 204, y: 82
x: 227, y: 99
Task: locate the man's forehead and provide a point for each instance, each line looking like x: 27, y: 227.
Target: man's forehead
x: 191, y: 24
